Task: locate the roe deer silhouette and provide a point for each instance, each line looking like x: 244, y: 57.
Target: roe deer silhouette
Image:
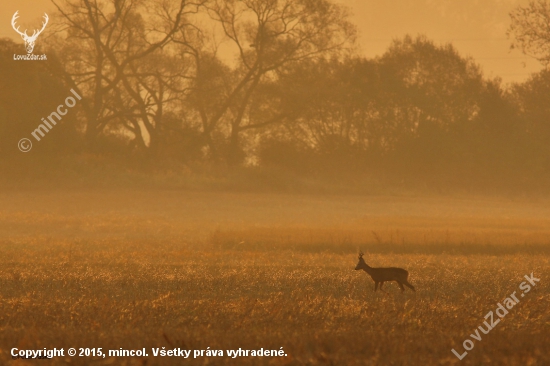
x: 381, y: 275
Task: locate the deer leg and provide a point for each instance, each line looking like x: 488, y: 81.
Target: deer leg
x: 376, y: 286
x: 401, y: 285
x: 409, y: 285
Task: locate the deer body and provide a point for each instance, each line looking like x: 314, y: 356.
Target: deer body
x: 381, y: 275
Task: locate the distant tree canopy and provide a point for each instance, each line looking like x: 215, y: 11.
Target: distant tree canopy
x: 533, y: 102
x: 414, y: 90
x: 288, y: 90
x: 419, y: 108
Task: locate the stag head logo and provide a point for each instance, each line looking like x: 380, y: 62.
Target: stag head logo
x: 29, y: 40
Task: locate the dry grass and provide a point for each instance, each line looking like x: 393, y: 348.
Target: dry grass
x: 166, y: 269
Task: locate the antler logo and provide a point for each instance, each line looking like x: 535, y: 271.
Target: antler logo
x: 29, y: 40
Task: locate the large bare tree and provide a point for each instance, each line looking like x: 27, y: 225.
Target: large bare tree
x: 266, y: 36
x: 118, y: 55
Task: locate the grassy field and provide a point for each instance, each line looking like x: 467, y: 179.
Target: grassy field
x: 193, y: 270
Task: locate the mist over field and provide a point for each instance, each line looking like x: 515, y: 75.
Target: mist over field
x: 242, y: 183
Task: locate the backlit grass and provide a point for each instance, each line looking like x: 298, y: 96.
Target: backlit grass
x: 146, y: 269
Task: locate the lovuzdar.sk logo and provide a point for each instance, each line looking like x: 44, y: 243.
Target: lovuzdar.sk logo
x: 29, y: 40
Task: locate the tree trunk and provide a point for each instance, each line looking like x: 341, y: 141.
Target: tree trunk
x: 234, y: 155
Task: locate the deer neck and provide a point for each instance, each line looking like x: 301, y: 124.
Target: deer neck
x: 367, y: 269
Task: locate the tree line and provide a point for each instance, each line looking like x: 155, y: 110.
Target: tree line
x: 276, y: 83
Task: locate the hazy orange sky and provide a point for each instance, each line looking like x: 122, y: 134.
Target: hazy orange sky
x: 477, y: 28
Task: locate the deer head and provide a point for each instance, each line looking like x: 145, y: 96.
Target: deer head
x: 361, y: 264
x: 29, y: 40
